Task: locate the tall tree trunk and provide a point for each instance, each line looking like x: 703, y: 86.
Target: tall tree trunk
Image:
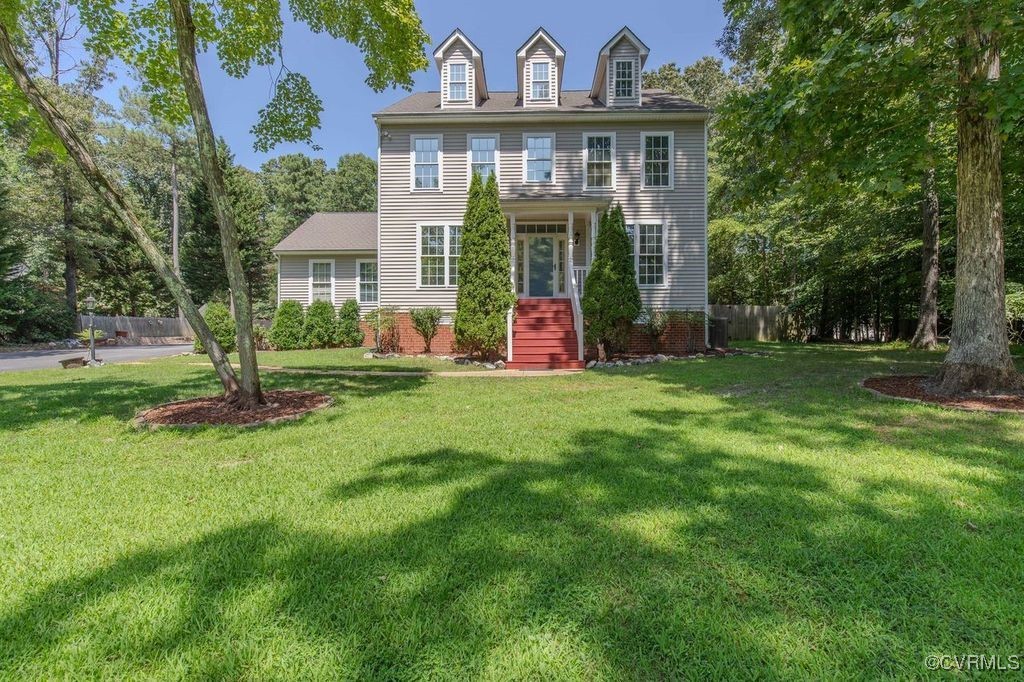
x: 175, y: 210
x: 926, y: 336
x: 979, y: 350
x: 69, y: 246
x: 250, y: 395
x: 117, y: 203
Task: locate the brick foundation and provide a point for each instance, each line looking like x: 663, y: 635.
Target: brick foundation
x: 675, y: 340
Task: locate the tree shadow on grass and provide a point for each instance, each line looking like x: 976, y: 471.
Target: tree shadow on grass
x: 628, y: 554
x: 88, y: 399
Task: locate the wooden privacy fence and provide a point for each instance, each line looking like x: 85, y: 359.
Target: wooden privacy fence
x: 137, y: 326
x: 750, y: 322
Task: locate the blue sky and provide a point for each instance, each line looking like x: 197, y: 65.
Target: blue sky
x: 675, y: 31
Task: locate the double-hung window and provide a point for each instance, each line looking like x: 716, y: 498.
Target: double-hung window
x: 657, y: 160
x: 625, y: 81
x: 426, y: 162
x: 458, y: 90
x: 439, y: 249
x: 540, y: 155
x: 321, y: 280
x: 648, y: 241
x: 599, y: 160
x: 483, y: 156
x: 367, y: 281
x: 540, y: 78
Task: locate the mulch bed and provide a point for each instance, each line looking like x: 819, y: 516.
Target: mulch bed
x: 215, y: 411
x: 918, y: 389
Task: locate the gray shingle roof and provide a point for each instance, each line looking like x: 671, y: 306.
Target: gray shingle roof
x: 655, y: 100
x: 333, y: 232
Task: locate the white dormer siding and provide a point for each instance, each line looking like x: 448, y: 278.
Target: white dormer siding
x: 461, y: 67
x: 540, y: 59
x: 457, y: 62
x: 620, y: 64
x: 623, y: 77
x: 540, y: 62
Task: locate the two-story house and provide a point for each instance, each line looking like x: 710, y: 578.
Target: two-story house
x: 560, y: 158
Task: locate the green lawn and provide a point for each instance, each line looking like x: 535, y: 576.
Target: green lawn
x: 352, y: 358
x: 742, y: 517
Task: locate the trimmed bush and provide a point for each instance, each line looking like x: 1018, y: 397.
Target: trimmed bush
x: 485, y: 292
x: 219, y: 319
x: 426, y: 321
x: 286, y: 330
x: 350, y: 334
x: 611, y: 297
x: 654, y: 322
x: 321, y: 327
x: 384, y: 323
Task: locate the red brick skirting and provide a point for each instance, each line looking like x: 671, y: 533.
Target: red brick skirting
x: 675, y: 340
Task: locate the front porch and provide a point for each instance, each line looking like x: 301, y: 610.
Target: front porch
x: 552, y: 241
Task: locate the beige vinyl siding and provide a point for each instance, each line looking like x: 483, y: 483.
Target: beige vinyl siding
x: 540, y: 51
x: 294, y: 276
x: 623, y: 50
x: 458, y: 52
x: 680, y: 209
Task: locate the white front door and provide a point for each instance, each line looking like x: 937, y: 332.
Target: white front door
x: 541, y: 260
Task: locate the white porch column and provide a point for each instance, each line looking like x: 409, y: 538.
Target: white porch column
x: 569, y: 265
x: 592, y: 235
x: 512, y: 276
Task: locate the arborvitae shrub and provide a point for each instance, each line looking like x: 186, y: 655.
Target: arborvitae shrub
x: 321, y: 327
x: 218, y: 319
x: 611, y: 297
x: 426, y: 322
x: 286, y: 330
x: 350, y: 334
x: 485, y: 291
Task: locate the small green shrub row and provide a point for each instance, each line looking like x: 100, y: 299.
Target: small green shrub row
x: 317, y: 327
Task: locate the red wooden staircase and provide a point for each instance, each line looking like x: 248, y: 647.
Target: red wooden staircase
x: 543, y: 335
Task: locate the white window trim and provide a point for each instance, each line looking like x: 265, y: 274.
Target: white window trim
x: 615, y: 77
x: 554, y: 155
x: 550, y: 79
x: 309, y: 290
x: 419, y: 256
x: 465, y: 66
x: 440, y: 163
x: 586, y: 187
x: 359, y: 291
x: 469, y: 155
x: 636, y: 252
x: 671, y: 159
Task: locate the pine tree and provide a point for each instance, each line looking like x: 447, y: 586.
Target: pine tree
x: 611, y: 297
x: 485, y: 291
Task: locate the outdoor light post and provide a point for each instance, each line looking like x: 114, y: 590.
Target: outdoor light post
x: 90, y: 306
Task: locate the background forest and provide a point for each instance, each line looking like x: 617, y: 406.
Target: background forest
x: 839, y: 244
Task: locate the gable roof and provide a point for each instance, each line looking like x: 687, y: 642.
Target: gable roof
x: 625, y: 33
x: 540, y: 34
x: 333, y: 232
x: 573, y: 101
x: 478, y: 58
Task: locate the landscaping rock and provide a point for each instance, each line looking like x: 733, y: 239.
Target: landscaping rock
x: 488, y: 365
x: 368, y: 356
x: 592, y: 364
x: 500, y: 364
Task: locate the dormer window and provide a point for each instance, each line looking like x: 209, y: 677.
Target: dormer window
x: 541, y: 80
x: 458, y: 90
x: 625, y: 82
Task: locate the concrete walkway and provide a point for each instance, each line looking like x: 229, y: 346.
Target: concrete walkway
x: 50, y: 358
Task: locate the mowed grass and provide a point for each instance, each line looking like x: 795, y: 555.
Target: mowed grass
x: 733, y: 518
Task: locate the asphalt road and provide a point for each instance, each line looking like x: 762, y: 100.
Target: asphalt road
x: 48, y: 359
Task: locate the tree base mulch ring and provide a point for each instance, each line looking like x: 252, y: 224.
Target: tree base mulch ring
x: 918, y: 388
x: 216, y: 411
